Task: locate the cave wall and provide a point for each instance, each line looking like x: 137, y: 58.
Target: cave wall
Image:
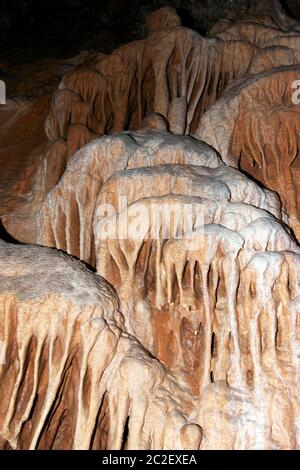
x: 180, y: 327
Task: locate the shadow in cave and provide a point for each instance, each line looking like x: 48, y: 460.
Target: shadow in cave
x: 5, y: 236
x: 287, y: 8
x: 186, y: 18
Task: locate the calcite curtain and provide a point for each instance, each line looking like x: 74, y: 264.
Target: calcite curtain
x: 180, y: 327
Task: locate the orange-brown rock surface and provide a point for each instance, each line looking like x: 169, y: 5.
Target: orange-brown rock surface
x: 174, y: 72
x: 255, y: 126
x: 154, y: 164
x: 206, y: 274
x: 184, y: 333
x: 23, y: 143
x: 70, y: 375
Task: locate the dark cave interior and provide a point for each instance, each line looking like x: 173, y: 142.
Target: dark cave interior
x: 33, y: 29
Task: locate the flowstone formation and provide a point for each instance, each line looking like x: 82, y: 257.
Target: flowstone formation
x: 71, y: 377
x: 178, y: 325
x: 217, y: 306
x: 255, y: 126
x: 174, y: 72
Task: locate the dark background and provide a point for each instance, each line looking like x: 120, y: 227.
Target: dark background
x: 32, y: 29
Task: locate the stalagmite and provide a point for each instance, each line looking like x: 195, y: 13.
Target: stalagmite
x: 174, y: 72
x: 171, y: 173
x: 198, y: 270
x: 255, y: 138
x: 68, y: 369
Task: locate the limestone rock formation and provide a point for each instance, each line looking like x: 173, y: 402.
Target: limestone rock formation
x: 93, y: 178
x: 171, y: 170
x: 200, y: 274
x: 24, y: 145
x: 174, y: 72
x: 255, y: 126
x: 71, y: 377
